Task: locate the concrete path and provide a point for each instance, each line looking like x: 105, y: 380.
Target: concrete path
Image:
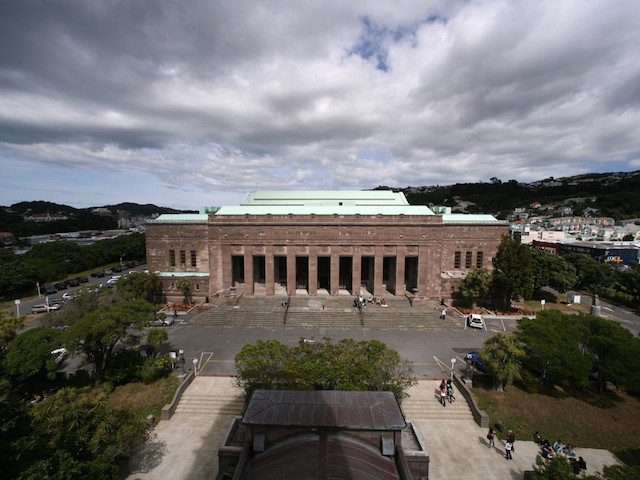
x: 186, y: 447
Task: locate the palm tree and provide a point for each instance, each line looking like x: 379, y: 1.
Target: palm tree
x: 184, y: 285
x: 502, y: 354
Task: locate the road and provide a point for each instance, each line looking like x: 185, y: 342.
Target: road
x: 431, y: 350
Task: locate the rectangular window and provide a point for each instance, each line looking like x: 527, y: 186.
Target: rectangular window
x: 456, y: 263
x: 480, y: 260
x: 172, y: 258
x: 183, y: 258
x: 468, y: 260
x: 193, y: 258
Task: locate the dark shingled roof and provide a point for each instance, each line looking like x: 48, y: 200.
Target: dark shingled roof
x: 339, y: 409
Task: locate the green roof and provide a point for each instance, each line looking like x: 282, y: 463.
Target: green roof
x: 183, y: 274
x: 470, y: 218
x: 181, y: 218
x: 325, y: 197
x: 325, y: 210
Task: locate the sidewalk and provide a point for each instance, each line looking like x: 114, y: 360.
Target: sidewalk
x: 186, y: 447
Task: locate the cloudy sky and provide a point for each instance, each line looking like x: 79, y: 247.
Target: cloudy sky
x: 188, y: 103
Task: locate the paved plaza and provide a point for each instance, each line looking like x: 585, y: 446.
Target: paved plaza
x: 186, y: 447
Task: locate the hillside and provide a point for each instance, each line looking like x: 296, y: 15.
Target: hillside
x: 613, y: 194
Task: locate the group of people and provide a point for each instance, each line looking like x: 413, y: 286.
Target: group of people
x: 446, y: 392
x: 38, y: 397
x: 509, y: 445
x: 361, y: 302
x: 549, y: 450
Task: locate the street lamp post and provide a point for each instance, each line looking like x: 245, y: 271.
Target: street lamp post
x: 453, y: 364
x: 195, y: 366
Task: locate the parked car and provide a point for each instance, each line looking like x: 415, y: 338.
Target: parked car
x: 130, y: 264
x: 44, y: 308
x: 475, y: 321
x: 113, y: 280
x: 73, y: 282
x: 56, y: 301
x: 49, y: 290
x: 108, y: 272
x: 638, y: 311
x: 98, y: 274
x: 60, y: 286
x: 60, y: 353
x: 475, y: 361
x: 161, y: 323
x: 68, y: 296
x: 117, y: 268
x: 83, y: 279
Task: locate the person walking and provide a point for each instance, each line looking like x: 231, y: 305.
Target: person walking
x: 444, y: 314
x: 443, y: 397
x: 491, y: 436
x: 508, y: 447
x: 511, y: 438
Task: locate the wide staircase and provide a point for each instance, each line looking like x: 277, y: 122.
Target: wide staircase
x: 324, y: 311
x: 248, y: 311
x: 424, y: 403
x: 208, y: 396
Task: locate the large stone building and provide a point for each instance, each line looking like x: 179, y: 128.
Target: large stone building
x: 321, y: 243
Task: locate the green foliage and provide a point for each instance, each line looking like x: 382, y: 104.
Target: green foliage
x: 558, y: 468
x: 124, y: 367
x: 615, y: 352
x: 502, y: 355
x: 154, y: 369
x: 628, y: 281
x: 553, y: 271
x: 591, y: 274
x: 29, y: 353
x: 72, y: 434
x: 552, y: 343
x: 98, y: 322
x: 476, y: 284
x: 184, y: 285
x: 157, y: 337
x: 346, y: 365
x: 147, y: 286
x: 9, y: 325
x: 15, y: 276
x: 617, y: 472
x: 513, y: 270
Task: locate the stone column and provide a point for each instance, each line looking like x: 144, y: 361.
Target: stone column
x: 400, y: 286
x: 268, y: 270
x: 334, y: 281
x: 378, y: 265
x: 291, y: 270
x: 248, y: 270
x: 313, y: 270
x: 220, y: 276
x: 356, y: 268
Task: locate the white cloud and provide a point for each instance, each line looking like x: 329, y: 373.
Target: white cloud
x: 228, y: 97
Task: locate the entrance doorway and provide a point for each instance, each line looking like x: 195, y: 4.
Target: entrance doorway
x: 345, y: 280
x: 258, y: 270
x: 389, y: 274
x: 280, y: 270
x: 411, y: 273
x: 302, y: 272
x: 366, y: 273
x: 324, y: 273
x: 237, y: 270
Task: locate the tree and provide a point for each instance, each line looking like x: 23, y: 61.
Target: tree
x: 157, y: 337
x: 15, y: 276
x: 590, y: 273
x: 346, y: 365
x: 553, y: 271
x: 30, y: 353
x: 615, y: 352
x: 513, y: 270
x: 184, y: 285
x: 476, y: 284
x: 9, y: 325
x: 147, y: 286
x: 617, y: 472
x: 629, y: 281
x: 552, y: 342
x: 558, y: 468
x: 97, y: 322
x: 502, y: 354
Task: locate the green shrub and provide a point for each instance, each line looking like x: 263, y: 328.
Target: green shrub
x: 153, y: 370
x: 124, y: 368
x: 530, y: 382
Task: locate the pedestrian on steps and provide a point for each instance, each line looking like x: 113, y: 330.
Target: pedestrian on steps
x: 444, y: 314
x: 508, y: 447
x: 491, y: 436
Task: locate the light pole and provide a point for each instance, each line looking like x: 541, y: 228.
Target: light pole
x: 195, y: 366
x: 453, y: 364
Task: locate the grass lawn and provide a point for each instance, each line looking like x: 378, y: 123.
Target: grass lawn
x: 145, y: 399
x: 610, y: 420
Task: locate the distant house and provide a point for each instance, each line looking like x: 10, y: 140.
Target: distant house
x: 44, y: 217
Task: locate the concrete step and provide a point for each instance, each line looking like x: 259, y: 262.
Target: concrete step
x: 210, y: 405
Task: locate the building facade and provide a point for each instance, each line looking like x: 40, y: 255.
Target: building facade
x: 321, y: 243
